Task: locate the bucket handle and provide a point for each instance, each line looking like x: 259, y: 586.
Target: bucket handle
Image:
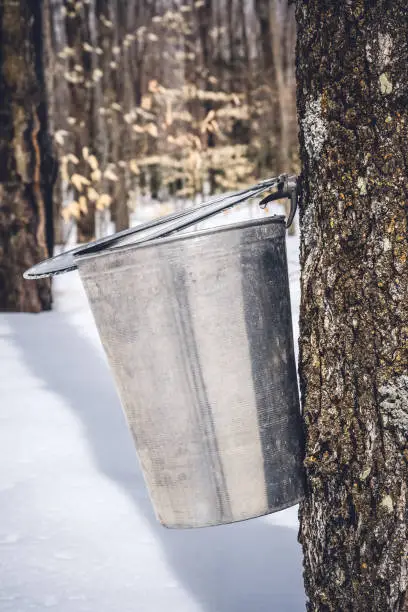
x: 286, y: 188
x: 163, y: 226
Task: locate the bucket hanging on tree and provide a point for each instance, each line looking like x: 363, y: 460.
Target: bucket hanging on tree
x: 198, y: 333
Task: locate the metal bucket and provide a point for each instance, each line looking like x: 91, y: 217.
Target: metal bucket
x: 197, y: 329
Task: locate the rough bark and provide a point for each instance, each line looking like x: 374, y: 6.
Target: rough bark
x: 352, y: 71
x: 27, y: 170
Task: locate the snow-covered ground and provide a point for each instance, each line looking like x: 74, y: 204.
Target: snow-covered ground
x: 77, y: 531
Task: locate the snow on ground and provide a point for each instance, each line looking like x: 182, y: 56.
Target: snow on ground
x: 77, y: 531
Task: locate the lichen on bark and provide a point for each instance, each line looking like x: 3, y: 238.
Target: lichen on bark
x: 352, y: 57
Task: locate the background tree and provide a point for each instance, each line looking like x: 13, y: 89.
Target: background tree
x: 27, y: 169
x: 352, y: 71
x: 153, y: 100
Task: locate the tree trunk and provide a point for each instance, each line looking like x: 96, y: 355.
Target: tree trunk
x: 27, y: 169
x: 56, y: 91
x: 81, y: 101
x: 272, y: 141
x: 352, y: 71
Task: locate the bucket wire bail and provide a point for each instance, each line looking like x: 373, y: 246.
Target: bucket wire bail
x: 286, y: 187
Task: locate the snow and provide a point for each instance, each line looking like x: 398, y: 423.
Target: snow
x: 77, y: 531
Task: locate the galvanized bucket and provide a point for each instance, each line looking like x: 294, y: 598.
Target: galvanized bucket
x: 197, y: 330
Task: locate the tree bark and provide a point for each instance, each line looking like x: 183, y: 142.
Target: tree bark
x: 27, y: 169
x: 81, y: 104
x: 352, y: 71
x: 273, y: 141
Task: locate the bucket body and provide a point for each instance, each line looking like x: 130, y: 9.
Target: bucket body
x: 197, y: 330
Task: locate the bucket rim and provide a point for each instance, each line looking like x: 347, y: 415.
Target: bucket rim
x: 178, y: 236
x: 159, y: 227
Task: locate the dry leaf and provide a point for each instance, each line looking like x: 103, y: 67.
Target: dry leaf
x: 72, y: 158
x: 64, y: 171
x: 97, y: 74
x: 153, y: 86
x: 66, y: 52
x: 96, y: 176
x: 104, y: 201
x: 93, y: 162
x: 110, y: 175
x: 82, y: 205
x: 128, y: 118
x: 146, y: 103
x: 134, y: 167
x: 151, y: 129
x: 92, y: 194
x: 59, y: 136
x: 72, y: 210
x: 73, y: 77
x: 79, y: 181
